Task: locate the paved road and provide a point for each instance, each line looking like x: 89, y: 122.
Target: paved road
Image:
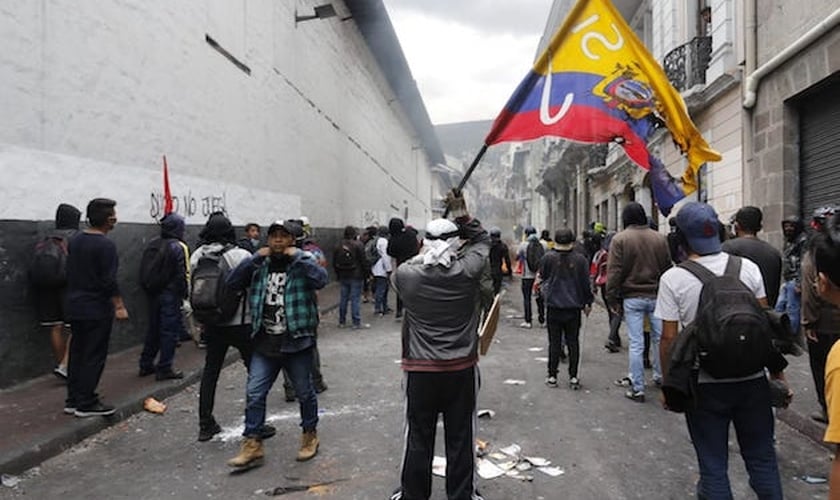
x: 606, y: 446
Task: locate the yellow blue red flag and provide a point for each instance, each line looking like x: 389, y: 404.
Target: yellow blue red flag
x: 597, y: 83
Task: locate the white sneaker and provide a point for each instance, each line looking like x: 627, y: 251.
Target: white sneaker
x: 551, y: 381
x: 525, y: 324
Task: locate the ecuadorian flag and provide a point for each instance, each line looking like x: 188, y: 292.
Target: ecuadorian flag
x: 597, y: 83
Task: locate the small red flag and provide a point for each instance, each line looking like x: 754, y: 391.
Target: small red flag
x: 167, y: 194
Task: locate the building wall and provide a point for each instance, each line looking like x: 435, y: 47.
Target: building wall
x: 94, y: 94
x: 774, y: 171
x: 781, y: 22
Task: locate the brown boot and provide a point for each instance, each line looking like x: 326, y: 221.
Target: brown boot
x: 308, y: 446
x: 250, y: 455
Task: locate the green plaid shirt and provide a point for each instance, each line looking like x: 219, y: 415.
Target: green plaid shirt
x: 303, y: 276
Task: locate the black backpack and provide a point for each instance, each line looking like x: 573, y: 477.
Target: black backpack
x: 49, y: 263
x: 371, y: 252
x: 153, y: 273
x: 533, y: 253
x: 343, y: 258
x: 732, y: 330
x: 212, y: 301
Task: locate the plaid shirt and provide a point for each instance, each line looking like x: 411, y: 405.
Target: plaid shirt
x: 303, y: 277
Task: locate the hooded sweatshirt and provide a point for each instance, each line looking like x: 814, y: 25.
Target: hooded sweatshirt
x: 403, y: 243
x: 172, y: 228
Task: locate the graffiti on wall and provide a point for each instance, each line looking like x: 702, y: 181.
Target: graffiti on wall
x: 188, y: 204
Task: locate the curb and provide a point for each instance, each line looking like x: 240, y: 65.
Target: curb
x: 805, y: 426
x: 66, y: 436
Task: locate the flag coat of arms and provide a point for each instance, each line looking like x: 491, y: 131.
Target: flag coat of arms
x: 597, y: 83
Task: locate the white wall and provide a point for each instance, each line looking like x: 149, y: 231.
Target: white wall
x: 109, y: 87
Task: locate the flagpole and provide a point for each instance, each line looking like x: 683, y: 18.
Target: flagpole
x: 468, y: 173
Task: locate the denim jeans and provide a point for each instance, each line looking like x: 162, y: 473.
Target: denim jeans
x: 747, y: 406
x: 165, y: 327
x: 790, y: 302
x: 635, y: 309
x: 380, y: 294
x: 351, y: 290
x: 261, y: 376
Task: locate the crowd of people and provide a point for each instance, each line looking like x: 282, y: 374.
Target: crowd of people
x: 261, y: 299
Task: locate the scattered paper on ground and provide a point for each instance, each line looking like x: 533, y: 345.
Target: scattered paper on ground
x: 485, y: 413
x: 152, y: 405
x: 489, y: 470
x: 535, y: 349
x: 513, y: 381
x: 439, y: 466
x: 551, y: 471
x: 541, y: 359
x: 538, y: 461
x: 512, y: 450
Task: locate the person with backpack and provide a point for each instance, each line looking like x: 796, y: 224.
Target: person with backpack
x: 499, y: 259
x: 224, y: 326
x: 48, y: 275
x: 529, y: 252
x: 368, y: 240
x: 731, y: 386
x: 93, y: 301
x: 820, y: 320
x: 637, y: 258
x: 563, y: 280
x: 402, y: 245
x: 281, y: 280
x: 164, y: 276
x: 598, y: 272
x: 381, y: 267
x: 350, y: 267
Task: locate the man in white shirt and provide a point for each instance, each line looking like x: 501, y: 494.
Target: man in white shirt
x: 381, y: 270
x: 745, y: 401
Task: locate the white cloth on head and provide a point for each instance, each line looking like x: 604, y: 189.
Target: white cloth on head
x: 440, y: 252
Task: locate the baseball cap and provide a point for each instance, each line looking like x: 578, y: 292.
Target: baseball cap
x: 292, y: 227
x: 699, y: 223
x: 564, y: 239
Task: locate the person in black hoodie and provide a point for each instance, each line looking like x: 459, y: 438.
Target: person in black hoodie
x: 499, y: 259
x: 165, y: 321
x: 402, y: 246
x: 50, y: 298
x: 350, y: 267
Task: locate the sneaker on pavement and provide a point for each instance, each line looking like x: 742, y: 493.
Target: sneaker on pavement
x: 624, y: 382
x: 97, y: 410
x: 574, y: 383
x: 60, y: 372
x: 320, y: 387
x: 612, y: 347
x: 342, y: 325
x: 206, y: 433
x: 819, y: 416
x: 551, y: 381
x: 525, y: 324
x: 637, y: 396
x: 169, y: 375
x: 267, y: 431
x: 657, y: 382
x: 362, y: 326
x: 70, y: 410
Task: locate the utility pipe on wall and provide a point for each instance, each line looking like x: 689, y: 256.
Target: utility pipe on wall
x: 813, y: 34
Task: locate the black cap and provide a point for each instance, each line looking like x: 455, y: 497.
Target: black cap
x: 291, y: 227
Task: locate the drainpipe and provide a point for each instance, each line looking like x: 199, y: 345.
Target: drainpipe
x: 813, y: 34
x: 750, y: 54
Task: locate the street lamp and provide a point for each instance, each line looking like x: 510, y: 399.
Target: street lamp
x: 321, y: 12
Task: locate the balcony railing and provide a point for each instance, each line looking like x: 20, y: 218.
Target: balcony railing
x: 686, y: 65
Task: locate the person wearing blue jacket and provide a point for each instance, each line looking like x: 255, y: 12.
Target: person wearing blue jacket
x: 563, y: 279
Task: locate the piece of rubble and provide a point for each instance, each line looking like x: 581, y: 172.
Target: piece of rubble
x: 152, y: 405
x: 551, y: 471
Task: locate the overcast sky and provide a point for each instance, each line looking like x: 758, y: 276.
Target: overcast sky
x: 468, y: 56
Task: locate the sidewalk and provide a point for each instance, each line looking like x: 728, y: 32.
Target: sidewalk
x: 36, y: 427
